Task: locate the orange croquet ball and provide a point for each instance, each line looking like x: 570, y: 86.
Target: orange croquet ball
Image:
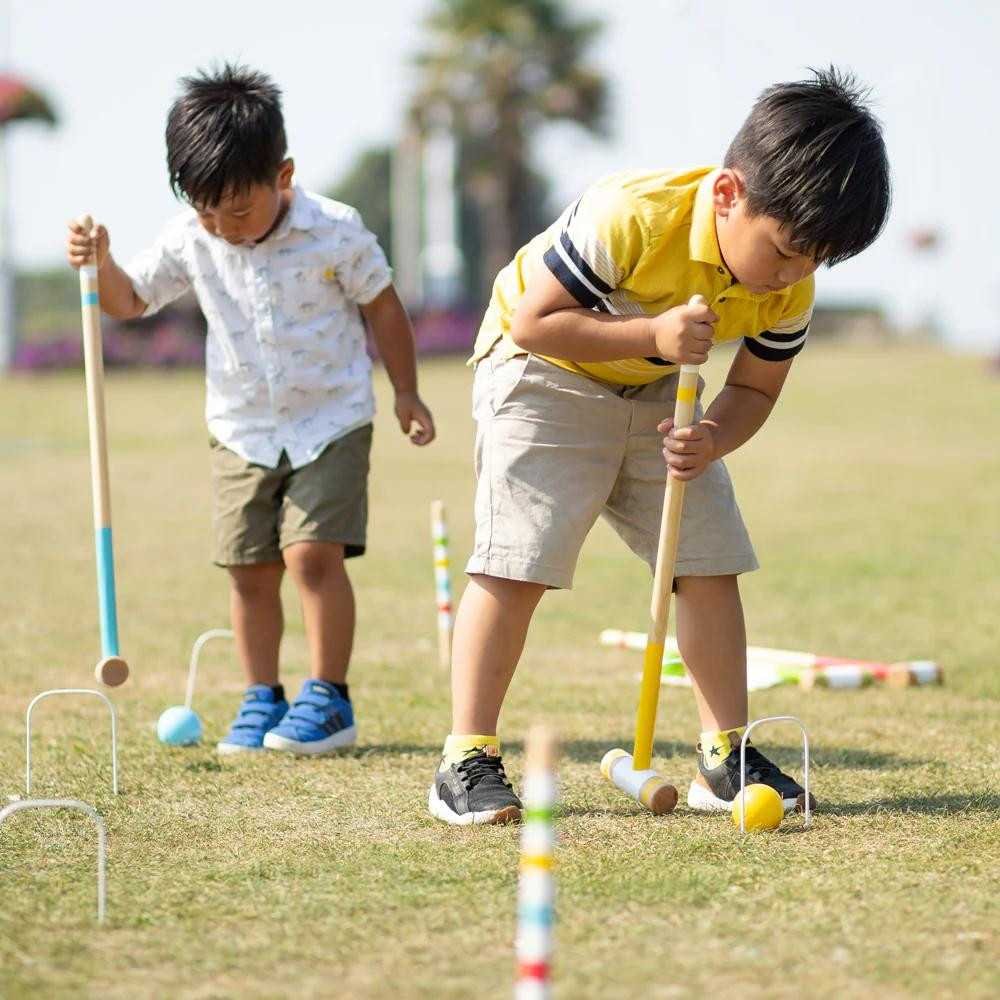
x: 765, y: 810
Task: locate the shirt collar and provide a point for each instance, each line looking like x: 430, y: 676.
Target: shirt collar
x: 703, y: 243
x: 298, y: 216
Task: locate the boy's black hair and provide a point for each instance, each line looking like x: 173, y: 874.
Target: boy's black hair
x: 225, y: 133
x: 812, y: 156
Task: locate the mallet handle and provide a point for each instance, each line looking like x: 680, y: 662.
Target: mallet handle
x: 93, y: 360
x: 663, y: 579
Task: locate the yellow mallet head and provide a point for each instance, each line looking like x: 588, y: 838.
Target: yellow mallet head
x: 765, y: 810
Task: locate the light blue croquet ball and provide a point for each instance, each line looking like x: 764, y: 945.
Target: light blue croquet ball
x: 179, y: 727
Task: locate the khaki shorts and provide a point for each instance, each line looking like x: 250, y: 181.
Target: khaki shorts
x: 554, y: 450
x: 258, y: 511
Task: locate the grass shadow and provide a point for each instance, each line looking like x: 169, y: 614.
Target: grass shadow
x: 945, y: 805
x: 591, y: 751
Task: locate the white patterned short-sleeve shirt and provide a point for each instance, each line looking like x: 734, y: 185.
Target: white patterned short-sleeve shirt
x: 285, y: 361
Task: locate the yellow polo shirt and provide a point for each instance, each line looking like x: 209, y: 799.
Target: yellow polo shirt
x: 639, y: 243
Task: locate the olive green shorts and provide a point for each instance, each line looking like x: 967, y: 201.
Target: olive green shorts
x: 257, y: 511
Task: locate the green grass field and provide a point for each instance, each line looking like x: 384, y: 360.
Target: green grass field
x: 873, y: 498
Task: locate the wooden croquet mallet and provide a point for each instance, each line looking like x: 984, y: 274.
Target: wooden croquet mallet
x: 112, y: 670
x: 632, y: 773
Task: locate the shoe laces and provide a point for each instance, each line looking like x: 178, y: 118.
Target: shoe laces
x: 478, y: 766
x: 758, y: 766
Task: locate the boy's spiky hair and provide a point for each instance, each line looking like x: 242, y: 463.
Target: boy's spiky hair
x: 225, y: 133
x: 812, y: 156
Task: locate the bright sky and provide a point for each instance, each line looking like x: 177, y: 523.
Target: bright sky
x: 683, y: 73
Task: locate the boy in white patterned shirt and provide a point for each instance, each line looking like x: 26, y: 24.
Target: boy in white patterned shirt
x: 287, y: 281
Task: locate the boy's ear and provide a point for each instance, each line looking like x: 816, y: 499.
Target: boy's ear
x: 726, y: 191
x: 285, y: 174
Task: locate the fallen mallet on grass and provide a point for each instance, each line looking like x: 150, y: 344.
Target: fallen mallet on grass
x: 111, y: 670
x: 179, y: 725
x: 773, y: 667
x: 633, y: 773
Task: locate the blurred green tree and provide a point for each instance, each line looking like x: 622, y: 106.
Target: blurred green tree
x: 503, y: 69
x: 365, y: 187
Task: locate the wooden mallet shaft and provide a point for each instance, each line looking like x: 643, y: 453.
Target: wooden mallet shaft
x: 633, y: 773
x: 112, y: 669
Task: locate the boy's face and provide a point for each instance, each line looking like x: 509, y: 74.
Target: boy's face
x: 754, y: 247
x: 247, y: 217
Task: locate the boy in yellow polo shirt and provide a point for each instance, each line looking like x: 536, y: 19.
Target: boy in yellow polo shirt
x: 576, y: 371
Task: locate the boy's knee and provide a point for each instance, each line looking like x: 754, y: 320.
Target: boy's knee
x: 314, y: 563
x: 523, y: 592
x: 251, y: 583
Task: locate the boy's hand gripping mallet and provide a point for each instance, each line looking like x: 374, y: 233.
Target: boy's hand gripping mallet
x: 632, y: 772
x: 112, y: 670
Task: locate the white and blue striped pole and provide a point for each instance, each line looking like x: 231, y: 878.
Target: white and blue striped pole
x: 536, y: 885
x: 112, y: 670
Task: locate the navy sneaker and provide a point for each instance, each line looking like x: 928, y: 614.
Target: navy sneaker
x: 320, y: 721
x: 261, y: 711
x: 474, y: 790
x: 715, y: 788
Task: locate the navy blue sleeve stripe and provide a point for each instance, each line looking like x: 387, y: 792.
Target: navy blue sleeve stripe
x: 586, y: 271
x: 784, y: 338
x: 569, y: 281
x: 759, y: 350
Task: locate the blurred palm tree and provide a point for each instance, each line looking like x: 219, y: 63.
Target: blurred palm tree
x: 18, y: 102
x: 503, y: 69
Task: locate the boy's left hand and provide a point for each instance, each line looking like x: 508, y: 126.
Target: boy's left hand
x: 688, y: 451
x: 411, y: 410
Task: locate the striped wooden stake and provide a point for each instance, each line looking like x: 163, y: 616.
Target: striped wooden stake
x: 112, y: 669
x: 536, y: 887
x: 442, y: 582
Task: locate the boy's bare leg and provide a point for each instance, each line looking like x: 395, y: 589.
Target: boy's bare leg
x: 327, y: 606
x: 257, y: 618
x: 712, y: 638
x: 490, y: 629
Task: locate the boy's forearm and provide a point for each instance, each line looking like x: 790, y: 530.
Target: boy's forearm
x: 393, y: 336
x: 118, y: 297
x: 736, y: 414
x: 585, y: 335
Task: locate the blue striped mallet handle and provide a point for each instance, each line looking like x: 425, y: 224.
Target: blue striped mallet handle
x: 112, y: 670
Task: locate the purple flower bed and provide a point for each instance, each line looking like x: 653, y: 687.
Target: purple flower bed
x: 177, y: 342
x: 166, y: 344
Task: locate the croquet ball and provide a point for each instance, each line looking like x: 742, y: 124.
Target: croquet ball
x: 765, y: 809
x: 179, y: 727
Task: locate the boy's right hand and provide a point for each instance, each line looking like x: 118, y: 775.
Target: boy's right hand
x: 684, y: 334
x: 82, y: 246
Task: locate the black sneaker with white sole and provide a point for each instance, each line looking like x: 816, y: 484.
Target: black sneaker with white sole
x: 715, y: 787
x: 475, y: 790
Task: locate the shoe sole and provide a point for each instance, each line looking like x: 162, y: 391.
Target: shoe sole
x: 316, y: 748
x: 488, y: 817
x: 228, y: 749
x: 703, y: 799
